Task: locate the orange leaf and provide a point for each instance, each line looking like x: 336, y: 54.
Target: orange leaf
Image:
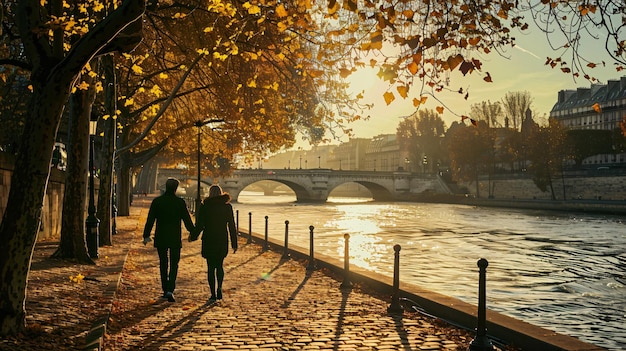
x: 596, y: 107
x: 439, y: 109
x: 454, y: 61
x: 488, y: 78
x: 474, y: 41
x: 389, y: 97
x: 344, y: 72
x: 413, y: 68
x: 403, y: 90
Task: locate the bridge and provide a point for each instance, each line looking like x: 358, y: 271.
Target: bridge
x: 315, y: 185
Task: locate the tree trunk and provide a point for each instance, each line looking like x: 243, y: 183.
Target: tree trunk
x: 125, y: 191
x: 72, y: 243
x: 51, y: 78
x: 107, y: 152
x: 21, y: 220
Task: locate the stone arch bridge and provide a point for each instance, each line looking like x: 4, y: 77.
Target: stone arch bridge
x: 314, y: 185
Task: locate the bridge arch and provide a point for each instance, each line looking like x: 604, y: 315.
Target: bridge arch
x: 379, y: 192
x: 302, y: 194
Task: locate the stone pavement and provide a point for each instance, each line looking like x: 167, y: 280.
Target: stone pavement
x: 268, y: 304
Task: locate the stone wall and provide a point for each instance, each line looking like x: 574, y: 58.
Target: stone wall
x: 600, y: 187
x: 50, y: 229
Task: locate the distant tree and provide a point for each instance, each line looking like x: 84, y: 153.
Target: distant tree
x: 471, y: 152
x: 590, y: 142
x: 548, y: 150
x: 420, y: 135
x: 515, y: 105
x: 490, y: 112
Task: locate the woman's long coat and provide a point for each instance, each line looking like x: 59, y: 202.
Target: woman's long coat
x: 217, y: 223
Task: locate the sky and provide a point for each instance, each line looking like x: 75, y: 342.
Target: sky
x: 523, y: 69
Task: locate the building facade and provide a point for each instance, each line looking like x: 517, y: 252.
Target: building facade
x: 601, y: 107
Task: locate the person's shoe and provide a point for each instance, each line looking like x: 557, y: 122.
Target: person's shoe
x: 170, y: 297
x: 219, y: 294
x: 164, y: 296
x: 212, y: 299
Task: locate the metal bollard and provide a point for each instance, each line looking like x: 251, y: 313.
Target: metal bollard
x: 265, y: 245
x: 481, y: 342
x: 286, y: 248
x: 249, y: 227
x: 395, y: 306
x: 311, y: 266
x: 346, y: 284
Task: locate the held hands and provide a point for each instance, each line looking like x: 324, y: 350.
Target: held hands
x: 146, y: 240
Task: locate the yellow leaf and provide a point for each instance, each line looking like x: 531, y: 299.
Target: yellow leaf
x: 344, y: 72
x: 389, y: 97
x: 83, y: 85
x: 136, y: 69
x: 403, y: 90
x: 315, y: 73
x: 99, y: 87
x: 129, y: 102
x: 281, y: 11
x: 251, y: 83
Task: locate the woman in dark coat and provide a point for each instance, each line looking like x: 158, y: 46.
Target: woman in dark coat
x: 217, y: 223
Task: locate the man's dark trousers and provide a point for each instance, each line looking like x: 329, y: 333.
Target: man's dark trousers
x: 168, y: 279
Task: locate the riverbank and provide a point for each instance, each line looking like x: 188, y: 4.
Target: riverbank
x: 609, y: 207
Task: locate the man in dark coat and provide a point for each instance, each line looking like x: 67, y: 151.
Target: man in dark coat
x: 168, y: 210
x: 216, y: 221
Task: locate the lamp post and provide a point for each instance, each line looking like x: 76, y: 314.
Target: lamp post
x: 199, y: 124
x: 92, y: 222
x: 424, y: 164
x: 319, y: 162
x: 300, y: 161
x: 198, y: 199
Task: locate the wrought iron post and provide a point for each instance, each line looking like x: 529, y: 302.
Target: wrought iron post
x: 311, y: 266
x: 286, y: 248
x: 92, y: 222
x: 249, y: 227
x: 265, y: 245
x: 481, y: 342
x: 395, y: 306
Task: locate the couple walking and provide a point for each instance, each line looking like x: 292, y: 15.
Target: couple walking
x: 215, y: 223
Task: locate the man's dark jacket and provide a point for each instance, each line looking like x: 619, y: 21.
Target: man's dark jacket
x: 168, y: 210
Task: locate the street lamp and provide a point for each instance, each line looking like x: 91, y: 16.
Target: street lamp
x: 300, y: 161
x: 92, y: 222
x: 425, y: 163
x: 319, y: 162
x: 199, y: 124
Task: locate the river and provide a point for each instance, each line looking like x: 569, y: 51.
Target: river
x: 562, y: 271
